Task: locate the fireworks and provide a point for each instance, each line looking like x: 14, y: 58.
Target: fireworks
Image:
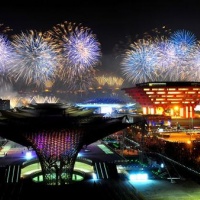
x: 111, y: 81
x: 46, y: 99
x: 80, y: 54
x: 139, y: 62
x: 184, y: 38
x: 35, y: 61
x: 52, y: 99
x: 5, y: 29
x: 69, y: 54
x: 6, y: 54
x: 14, y: 100
x: 184, y: 45
x: 39, y: 99
x: 194, y: 74
x: 82, y: 50
x: 162, y: 59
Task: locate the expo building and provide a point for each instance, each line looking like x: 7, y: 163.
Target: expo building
x: 174, y: 99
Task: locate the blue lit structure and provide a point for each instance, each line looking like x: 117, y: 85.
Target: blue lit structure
x: 106, y: 105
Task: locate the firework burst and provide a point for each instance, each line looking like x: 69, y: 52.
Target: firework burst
x: 5, y: 29
x: 6, y: 55
x: 194, y: 74
x: 80, y: 54
x: 183, y: 38
x: 139, y: 62
x: 184, y: 46
x: 111, y: 81
x: 36, y: 58
x: 162, y: 59
x: 14, y: 100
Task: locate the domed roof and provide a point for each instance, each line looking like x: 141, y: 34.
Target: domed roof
x: 105, y: 101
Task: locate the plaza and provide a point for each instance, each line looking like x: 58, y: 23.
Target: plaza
x: 151, y: 189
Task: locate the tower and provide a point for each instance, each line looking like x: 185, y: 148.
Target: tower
x: 56, y: 133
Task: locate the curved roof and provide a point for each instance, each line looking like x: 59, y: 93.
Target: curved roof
x: 157, y: 94
x: 169, y: 83
x: 105, y: 101
x: 43, y: 118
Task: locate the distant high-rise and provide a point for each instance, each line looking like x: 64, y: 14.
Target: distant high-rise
x: 4, y: 104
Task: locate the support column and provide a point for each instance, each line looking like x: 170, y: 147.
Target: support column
x: 57, y: 151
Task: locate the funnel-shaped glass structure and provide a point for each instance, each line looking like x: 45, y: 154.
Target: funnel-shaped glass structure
x: 56, y: 132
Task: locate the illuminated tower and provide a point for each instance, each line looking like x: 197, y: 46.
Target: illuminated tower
x: 56, y: 133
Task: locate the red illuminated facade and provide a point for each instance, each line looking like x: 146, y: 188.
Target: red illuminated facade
x: 175, y: 99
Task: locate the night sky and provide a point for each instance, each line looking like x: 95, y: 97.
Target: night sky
x: 112, y: 21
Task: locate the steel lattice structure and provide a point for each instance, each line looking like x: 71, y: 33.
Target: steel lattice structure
x: 56, y: 135
x: 57, y: 151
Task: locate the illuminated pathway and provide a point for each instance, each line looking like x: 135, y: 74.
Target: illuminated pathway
x: 186, y: 136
